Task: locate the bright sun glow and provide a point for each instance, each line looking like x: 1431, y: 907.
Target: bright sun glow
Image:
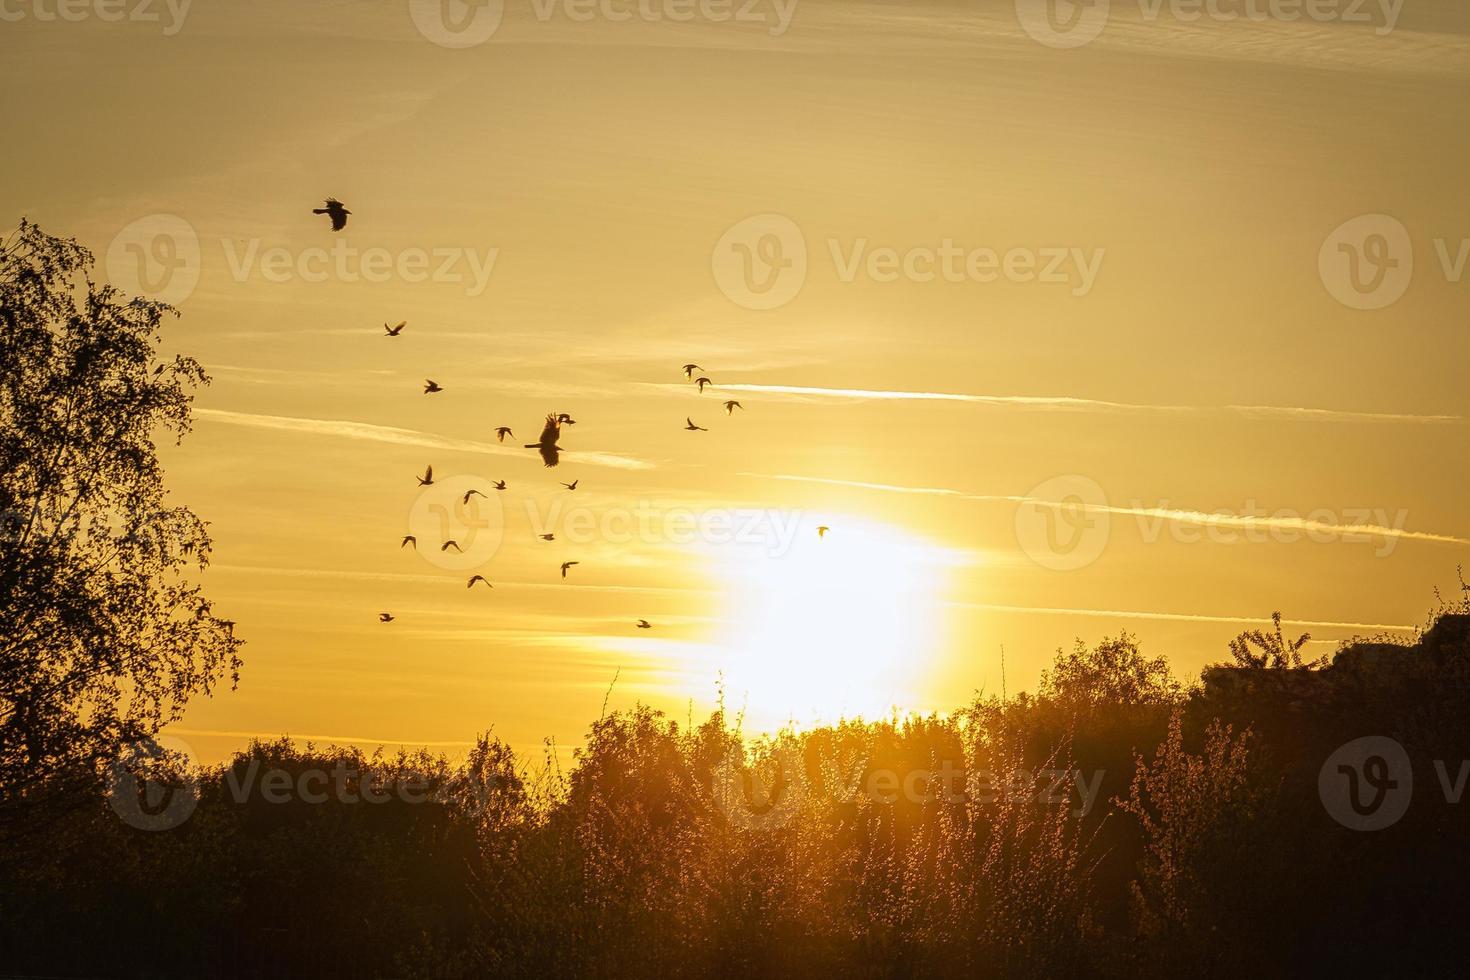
x: 835, y: 626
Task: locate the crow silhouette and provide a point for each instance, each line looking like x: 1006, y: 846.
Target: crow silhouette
x: 550, y: 451
x: 334, y: 209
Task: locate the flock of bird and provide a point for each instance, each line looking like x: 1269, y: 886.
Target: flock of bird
x: 547, y: 446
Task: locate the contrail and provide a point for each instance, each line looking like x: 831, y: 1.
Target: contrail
x: 366, y: 431
x: 1172, y: 515
x: 887, y: 487
x: 1098, y: 406
x: 406, y: 577
x: 313, y: 737
x: 1178, y: 617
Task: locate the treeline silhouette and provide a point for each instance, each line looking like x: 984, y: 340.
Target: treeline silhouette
x: 1114, y: 823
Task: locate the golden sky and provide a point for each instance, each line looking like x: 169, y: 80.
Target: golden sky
x: 1008, y: 316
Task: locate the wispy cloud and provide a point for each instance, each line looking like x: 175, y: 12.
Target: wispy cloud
x: 1176, y: 617
x: 313, y: 737
x: 1094, y: 405
x: 358, y: 575
x: 391, y: 435
x: 1170, y: 515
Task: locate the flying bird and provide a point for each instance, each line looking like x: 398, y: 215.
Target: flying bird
x: 643, y: 624
x: 567, y: 564
x: 566, y: 419
x: 431, y: 387
x: 334, y: 209
x: 395, y: 331
x: 702, y: 382
x: 451, y: 543
x: 499, y: 484
x: 550, y: 451
x: 385, y: 617
x: 478, y: 578
x: 468, y: 494
x: 689, y: 370
x: 501, y: 431
x: 409, y: 539
x: 573, y: 484
x: 689, y: 424
x: 730, y: 407
x: 548, y: 537
x: 427, y: 480
x: 822, y: 531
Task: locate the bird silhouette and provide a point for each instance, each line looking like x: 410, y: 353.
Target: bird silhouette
x: 550, y: 451
x: 431, y: 387
x: 689, y: 370
x: 501, y: 431
x: 730, y: 407
x: 334, y: 209
x: 499, y: 484
x: 822, y: 531
x: 573, y: 484
x: 567, y: 564
x: 468, y: 494
x: 548, y: 537
x: 478, y: 578
x: 451, y: 543
x: 566, y: 419
x: 427, y: 480
x: 395, y: 331
x: 689, y: 424
x: 643, y: 624
x: 409, y: 539
x: 702, y: 382
x: 386, y: 617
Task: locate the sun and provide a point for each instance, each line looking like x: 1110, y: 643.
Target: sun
x: 833, y: 626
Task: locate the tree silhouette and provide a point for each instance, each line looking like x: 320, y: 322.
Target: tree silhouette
x: 1276, y: 651
x: 103, y: 637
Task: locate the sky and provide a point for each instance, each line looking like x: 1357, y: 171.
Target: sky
x: 1139, y: 316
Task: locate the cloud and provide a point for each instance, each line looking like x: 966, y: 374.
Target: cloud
x: 1169, y: 514
x: 1176, y: 617
x: 391, y: 435
x: 1092, y: 405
